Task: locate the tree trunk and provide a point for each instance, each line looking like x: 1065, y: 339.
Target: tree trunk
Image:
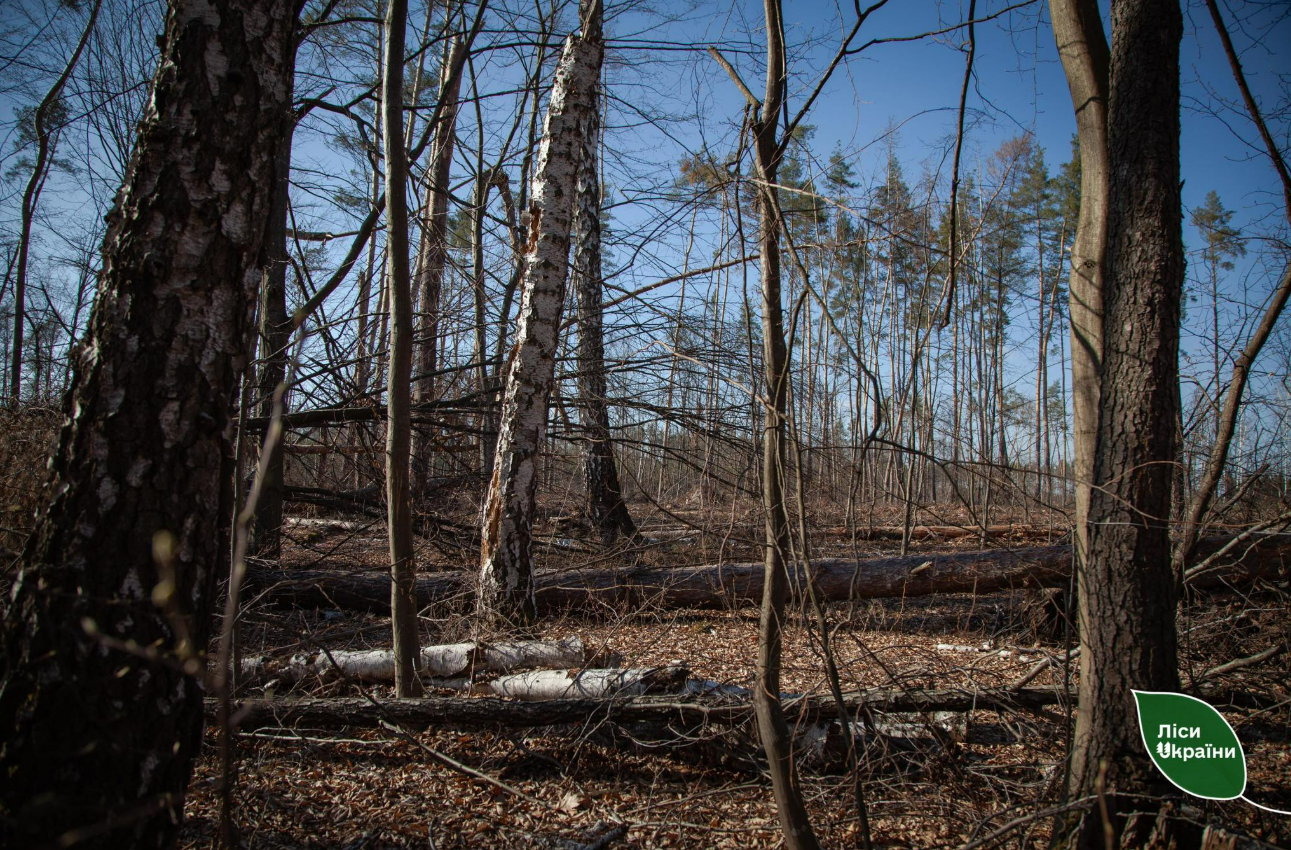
x: 403, y: 568
x: 605, y: 507
x: 1128, y: 592
x: 773, y: 731
x: 275, y: 337
x: 432, y: 252
x: 100, y: 701
x: 506, y: 568
x: 1078, y: 30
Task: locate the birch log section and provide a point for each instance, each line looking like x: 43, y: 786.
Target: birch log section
x: 598, y: 683
x: 722, y: 585
x: 444, y: 660
x: 506, y: 590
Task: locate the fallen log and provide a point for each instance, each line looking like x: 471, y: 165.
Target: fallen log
x: 465, y: 712
x: 538, y: 685
x: 927, y: 532
x: 729, y: 585
x: 445, y: 660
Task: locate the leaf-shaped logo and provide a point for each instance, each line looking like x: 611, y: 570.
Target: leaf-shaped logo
x: 1192, y: 744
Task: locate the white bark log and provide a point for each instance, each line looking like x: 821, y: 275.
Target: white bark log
x: 445, y: 664
x: 589, y: 684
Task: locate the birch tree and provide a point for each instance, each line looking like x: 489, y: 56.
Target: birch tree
x: 100, y: 689
x: 506, y: 568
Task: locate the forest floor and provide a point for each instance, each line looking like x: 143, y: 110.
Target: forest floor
x: 299, y: 787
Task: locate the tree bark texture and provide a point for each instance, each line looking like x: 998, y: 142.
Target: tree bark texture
x: 101, y: 697
x: 403, y: 568
x: 275, y: 338
x: 733, y: 584
x: 1128, y: 591
x: 605, y: 506
x: 506, y: 569
x: 432, y: 250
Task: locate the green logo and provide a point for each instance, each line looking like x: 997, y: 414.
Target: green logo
x: 1192, y: 744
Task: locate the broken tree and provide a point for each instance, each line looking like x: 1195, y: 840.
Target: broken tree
x: 506, y: 568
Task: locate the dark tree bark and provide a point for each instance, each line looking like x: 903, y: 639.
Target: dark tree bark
x: 605, y: 507
x: 275, y: 337
x: 101, y: 697
x: 1128, y: 591
x: 432, y: 250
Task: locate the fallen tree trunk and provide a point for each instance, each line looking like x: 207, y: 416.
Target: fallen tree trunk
x: 464, y: 712
x: 445, y: 660
x: 539, y: 685
x: 723, y: 585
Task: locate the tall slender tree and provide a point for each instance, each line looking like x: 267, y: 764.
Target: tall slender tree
x: 403, y: 568
x: 432, y: 249
x: 1082, y: 47
x: 604, y: 498
x: 46, y: 138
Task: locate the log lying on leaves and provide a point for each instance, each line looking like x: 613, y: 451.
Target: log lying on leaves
x: 721, y: 585
x: 462, y: 712
x: 589, y: 684
x: 445, y: 660
x: 928, y: 532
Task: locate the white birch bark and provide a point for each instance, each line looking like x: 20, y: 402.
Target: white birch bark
x: 447, y: 661
x: 506, y: 570
x: 589, y: 684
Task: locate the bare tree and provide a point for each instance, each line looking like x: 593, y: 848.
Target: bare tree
x: 112, y: 608
x: 403, y: 569
x: 432, y: 250
x: 604, y: 498
x: 1082, y: 46
x: 45, y: 137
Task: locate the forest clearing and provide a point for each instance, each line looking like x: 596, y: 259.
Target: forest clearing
x: 581, y: 424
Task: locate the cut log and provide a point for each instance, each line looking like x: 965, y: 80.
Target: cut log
x: 723, y: 585
x: 446, y: 661
x: 589, y: 684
